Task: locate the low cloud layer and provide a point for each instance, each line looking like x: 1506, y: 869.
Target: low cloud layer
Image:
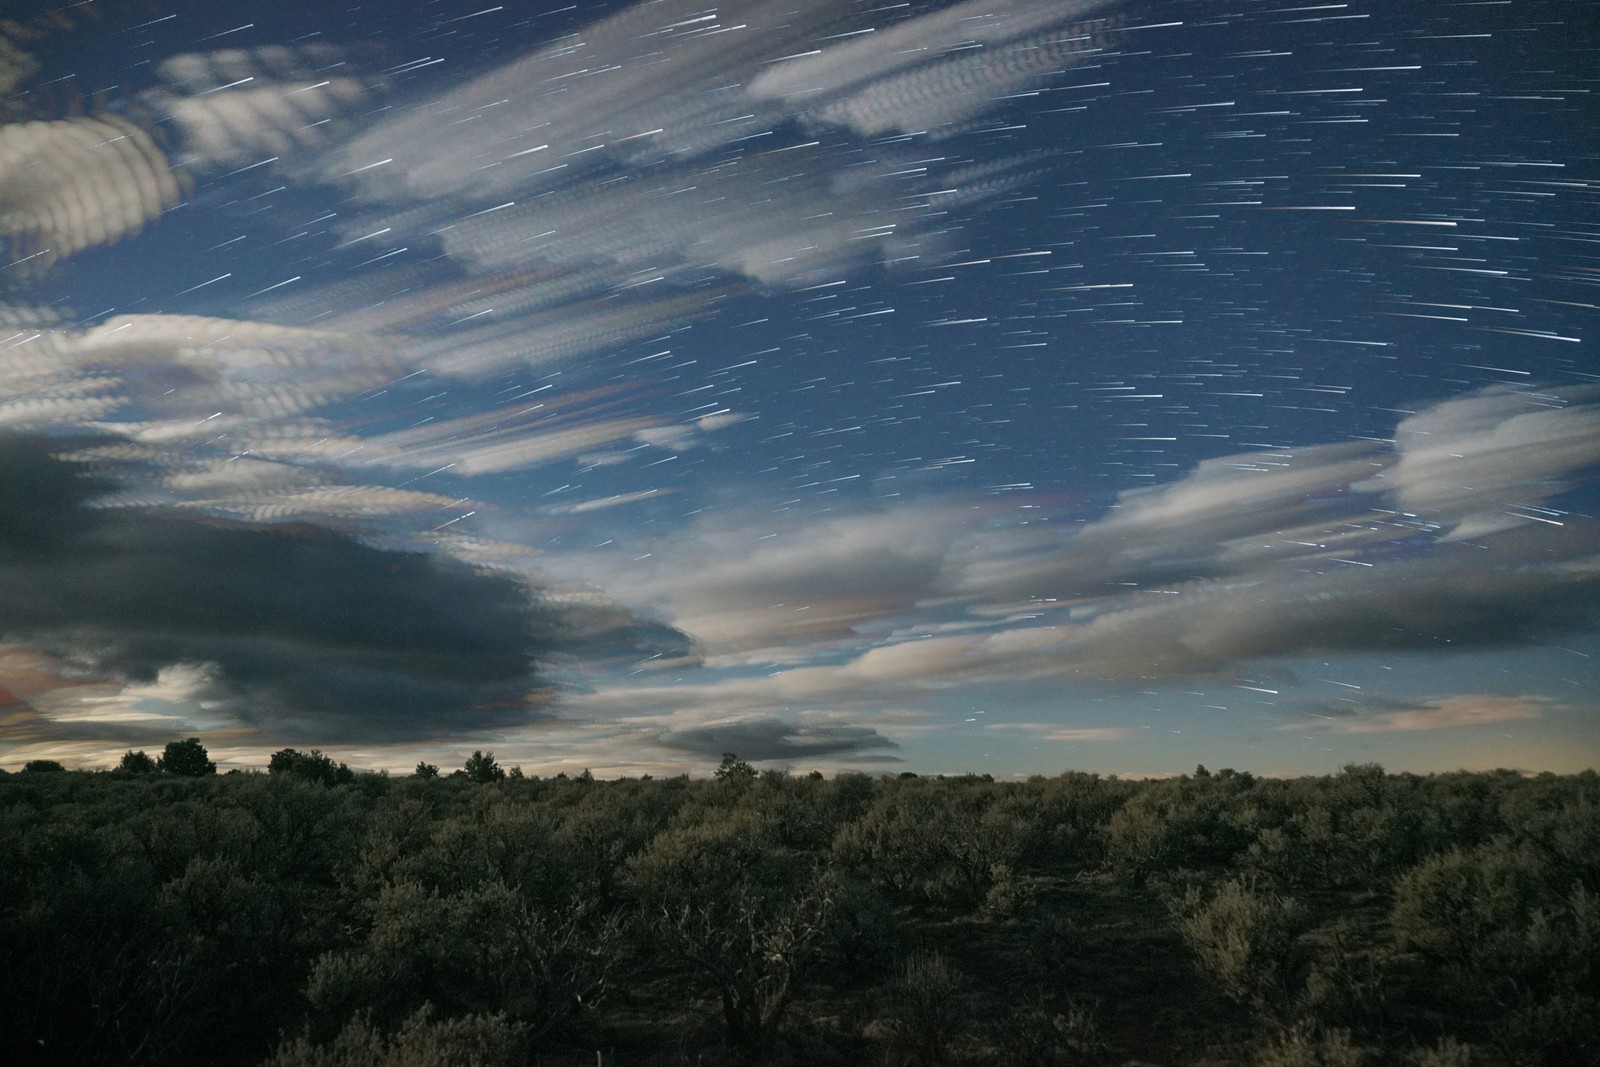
x: 1378, y: 716
x: 769, y: 738
x: 292, y: 629
x: 1070, y: 735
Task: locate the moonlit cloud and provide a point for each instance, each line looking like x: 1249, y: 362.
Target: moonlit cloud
x: 603, y: 503
x: 239, y: 107
x: 756, y: 592
x: 1442, y: 713
x: 1489, y: 461
x: 1532, y: 590
x: 1228, y: 516
x: 846, y: 65
x: 78, y: 183
x: 938, y: 99
x: 1247, y: 558
x: 653, y: 98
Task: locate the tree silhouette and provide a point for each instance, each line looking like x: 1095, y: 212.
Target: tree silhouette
x: 481, y: 767
x: 35, y: 765
x: 734, y: 769
x: 311, y: 766
x: 137, y: 762
x: 186, y: 759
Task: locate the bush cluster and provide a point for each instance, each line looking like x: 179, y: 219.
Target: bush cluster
x: 164, y: 914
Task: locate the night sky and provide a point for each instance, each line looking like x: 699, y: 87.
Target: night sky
x: 1004, y: 386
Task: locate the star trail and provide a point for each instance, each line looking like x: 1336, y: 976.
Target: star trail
x: 1002, y: 385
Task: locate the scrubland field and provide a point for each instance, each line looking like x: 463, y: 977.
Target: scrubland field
x: 311, y: 916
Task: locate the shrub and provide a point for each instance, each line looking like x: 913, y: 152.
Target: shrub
x: 421, y: 1041
x: 310, y: 766
x: 931, y: 839
x: 1469, y: 909
x: 734, y: 769
x: 136, y: 763
x: 481, y: 767
x: 1307, y: 1047
x: 1246, y: 938
x: 737, y: 911
x: 1447, y: 1053
x: 1521, y: 953
x: 186, y: 759
x: 472, y: 952
x: 924, y: 1011
x: 1347, y: 986
x: 860, y: 936
x: 1036, y: 1034
x: 42, y: 766
x: 1552, y: 1030
x: 1203, y: 822
x: 1007, y: 896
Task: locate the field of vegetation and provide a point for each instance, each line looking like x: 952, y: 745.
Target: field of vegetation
x: 162, y: 914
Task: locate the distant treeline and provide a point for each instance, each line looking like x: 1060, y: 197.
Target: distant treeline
x: 164, y: 914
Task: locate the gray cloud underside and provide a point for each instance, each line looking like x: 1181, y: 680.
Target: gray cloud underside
x: 768, y: 738
x: 309, y: 632
x: 1454, y: 603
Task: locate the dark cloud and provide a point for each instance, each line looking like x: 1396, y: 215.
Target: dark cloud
x: 311, y: 632
x: 600, y: 631
x: 1347, y: 707
x: 1524, y: 587
x: 773, y: 739
x: 1528, y: 586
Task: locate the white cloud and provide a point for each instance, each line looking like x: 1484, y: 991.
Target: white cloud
x: 743, y: 584
x: 1249, y: 557
x: 1476, y: 464
x: 78, y: 183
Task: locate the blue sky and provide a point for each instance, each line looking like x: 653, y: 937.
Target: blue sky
x: 1007, y: 387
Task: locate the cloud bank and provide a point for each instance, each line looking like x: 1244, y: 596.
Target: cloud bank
x: 1248, y: 558
x: 766, y: 738
x: 295, y: 630
x: 1369, y: 716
